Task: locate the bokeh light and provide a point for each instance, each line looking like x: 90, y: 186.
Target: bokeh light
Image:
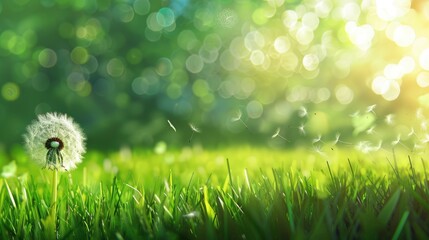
x: 139, y: 61
x: 10, y: 91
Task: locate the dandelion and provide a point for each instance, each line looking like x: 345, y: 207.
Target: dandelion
x: 54, y: 141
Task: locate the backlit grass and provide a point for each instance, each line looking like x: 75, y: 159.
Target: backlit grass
x: 234, y: 193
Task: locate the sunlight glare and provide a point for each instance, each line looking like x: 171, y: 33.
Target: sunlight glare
x: 310, y: 20
x: 360, y: 36
x: 424, y: 59
x: 423, y: 79
x: 389, y: 10
x: 290, y: 19
x: 304, y: 35
x: 404, y: 35
x: 282, y: 44
x: 380, y: 85
x: 344, y: 94
x: 350, y: 11
x: 257, y: 57
x: 407, y: 64
x: 310, y: 62
x: 392, y: 71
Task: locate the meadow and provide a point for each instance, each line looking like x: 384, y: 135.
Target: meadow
x: 313, y: 118
x: 230, y: 193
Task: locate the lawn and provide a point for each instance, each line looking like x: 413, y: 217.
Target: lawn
x: 230, y: 193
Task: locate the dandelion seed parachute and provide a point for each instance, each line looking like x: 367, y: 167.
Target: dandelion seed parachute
x: 55, y: 141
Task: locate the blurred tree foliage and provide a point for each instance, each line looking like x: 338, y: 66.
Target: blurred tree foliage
x: 123, y: 68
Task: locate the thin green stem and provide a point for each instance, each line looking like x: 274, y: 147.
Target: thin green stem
x: 54, y: 200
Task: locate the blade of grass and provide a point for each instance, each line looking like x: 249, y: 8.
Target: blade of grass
x: 400, y: 225
x: 229, y: 174
x: 10, y: 194
x: 388, y: 209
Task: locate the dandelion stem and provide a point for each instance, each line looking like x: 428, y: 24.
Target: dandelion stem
x: 54, y: 200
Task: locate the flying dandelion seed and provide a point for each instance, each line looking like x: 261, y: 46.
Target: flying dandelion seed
x: 194, y: 130
x: 318, y: 150
x: 355, y: 114
x: 367, y: 147
x: 378, y: 146
x: 302, y: 112
x: 171, y: 125
x: 424, y: 125
x: 317, y: 139
x: 389, y: 119
x: 55, y: 141
x: 411, y: 133
x: 370, y: 109
x: 238, y: 118
x: 396, y: 141
x: 277, y: 134
x: 193, y: 214
x: 364, y: 146
x: 337, y: 138
x: 370, y: 130
x: 301, y: 128
x: 425, y: 139
x: 419, y: 114
x: 418, y: 147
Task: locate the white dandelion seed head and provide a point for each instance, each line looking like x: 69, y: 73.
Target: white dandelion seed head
x: 55, y: 126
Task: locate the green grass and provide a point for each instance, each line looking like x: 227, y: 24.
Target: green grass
x: 236, y: 193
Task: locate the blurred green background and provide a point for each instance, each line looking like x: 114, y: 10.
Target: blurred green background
x: 240, y: 71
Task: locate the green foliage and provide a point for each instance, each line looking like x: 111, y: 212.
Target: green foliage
x: 141, y: 195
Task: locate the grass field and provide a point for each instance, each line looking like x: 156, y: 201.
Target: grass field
x: 233, y: 193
